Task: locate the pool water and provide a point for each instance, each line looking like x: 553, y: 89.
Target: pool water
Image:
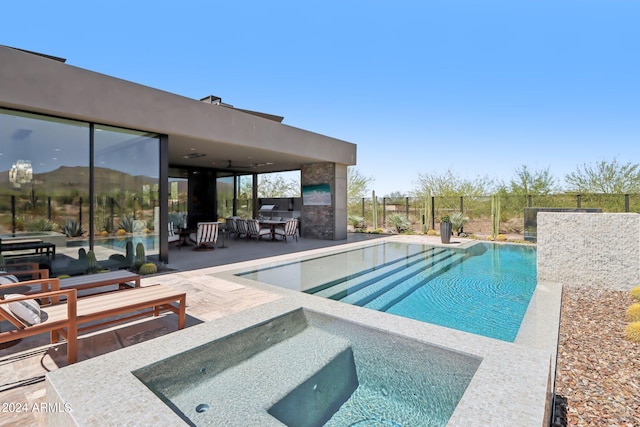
x: 484, y: 289
x: 119, y: 243
x: 310, y: 369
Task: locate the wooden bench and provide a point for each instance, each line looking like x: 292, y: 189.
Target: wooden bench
x: 123, y: 278
x: 37, y: 245
x: 74, y: 316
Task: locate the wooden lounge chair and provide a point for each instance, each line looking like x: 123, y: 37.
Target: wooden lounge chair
x: 123, y: 278
x: 74, y: 316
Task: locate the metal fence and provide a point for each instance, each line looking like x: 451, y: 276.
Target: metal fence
x: 425, y: 213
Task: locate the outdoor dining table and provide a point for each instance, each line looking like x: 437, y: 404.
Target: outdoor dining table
x: 272, y: 223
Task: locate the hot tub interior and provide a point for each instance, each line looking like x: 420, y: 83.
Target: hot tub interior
x: 305, y: 368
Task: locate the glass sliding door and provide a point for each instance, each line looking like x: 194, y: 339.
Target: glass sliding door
x: 126, y: 184
x: 44, y: 184
x: 224, y: 194
x: 178, y: 200
x: 244, y: 193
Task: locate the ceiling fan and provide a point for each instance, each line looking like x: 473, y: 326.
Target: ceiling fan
x: 230, y: 165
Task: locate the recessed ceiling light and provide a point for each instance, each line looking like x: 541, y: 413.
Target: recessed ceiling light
x: 193, y: 155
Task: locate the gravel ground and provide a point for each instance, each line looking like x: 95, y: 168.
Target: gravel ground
x: 598, y: 377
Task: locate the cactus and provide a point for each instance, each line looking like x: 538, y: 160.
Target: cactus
x: 632, y: 332
x: 140, y: 257
x: 92, y: 263
x: 129, y: 255
x: 374, y: 203
x: 148, y: 268
x: 495, y: 216
x: 633, y: 312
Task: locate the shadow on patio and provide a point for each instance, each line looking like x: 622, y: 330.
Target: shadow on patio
x: 24, y: 363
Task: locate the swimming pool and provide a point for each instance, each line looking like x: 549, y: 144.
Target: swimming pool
x: 309, y: 369
x: 150, y: 242
x: 484, y: 289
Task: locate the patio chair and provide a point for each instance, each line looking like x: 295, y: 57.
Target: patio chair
x: 243, y: 229
x: 256, y: 230
x: 290, y: 229
x: 206, y: 236
x: 173, y: 237
x: 232, y: 227
x: 64, y: 319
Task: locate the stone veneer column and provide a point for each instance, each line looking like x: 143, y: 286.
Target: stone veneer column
x: 597, y: 249
x: 328, y: 222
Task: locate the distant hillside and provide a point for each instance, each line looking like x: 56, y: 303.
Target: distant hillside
x: 76, y: 178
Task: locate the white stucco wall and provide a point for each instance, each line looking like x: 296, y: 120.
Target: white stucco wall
x: 591, y: 249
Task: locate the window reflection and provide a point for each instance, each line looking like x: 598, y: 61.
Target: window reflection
x: 45, y: 187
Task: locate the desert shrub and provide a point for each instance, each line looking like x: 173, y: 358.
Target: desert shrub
x: 356, y: 221
x: 41, y: 224
x: 458, y: 220
x: 126, y: 223
x: 72, y: 228
x: 399, y: 222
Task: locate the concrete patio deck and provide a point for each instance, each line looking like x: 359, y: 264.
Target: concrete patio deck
x: 24, y: 364
x: 215, y: 293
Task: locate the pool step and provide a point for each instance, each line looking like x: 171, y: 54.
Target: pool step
x: 363, y: 296
x: 321, y: 375
x: 342, y: 288
x: 392, y: 296
x: 336, y: 289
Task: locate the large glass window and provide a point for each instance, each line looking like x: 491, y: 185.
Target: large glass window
x: 126, y: 177
x: 245, y: 196
x: 44, y: 181
x: 178, y: 200
x: 224, y: 194
x: 46, y: 184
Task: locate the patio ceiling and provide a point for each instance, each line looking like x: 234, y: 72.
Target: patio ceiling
x: 186, y: 151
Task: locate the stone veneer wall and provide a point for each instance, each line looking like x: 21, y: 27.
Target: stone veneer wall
x: 593, y: 249
x: 325, y: 222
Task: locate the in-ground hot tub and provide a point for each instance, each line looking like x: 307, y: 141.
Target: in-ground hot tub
x: 305, y: 368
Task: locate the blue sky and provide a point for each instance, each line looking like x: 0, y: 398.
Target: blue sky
x: 477, y: 87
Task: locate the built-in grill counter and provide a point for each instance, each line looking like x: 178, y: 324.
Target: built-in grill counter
x: 267, y: 211
x: 280, y: 208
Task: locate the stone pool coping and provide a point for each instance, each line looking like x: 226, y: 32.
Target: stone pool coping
x: 512, y: 386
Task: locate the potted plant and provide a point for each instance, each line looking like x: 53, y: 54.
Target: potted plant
x: 445, y: 229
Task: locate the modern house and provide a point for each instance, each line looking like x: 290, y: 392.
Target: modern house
x: 91, y: 151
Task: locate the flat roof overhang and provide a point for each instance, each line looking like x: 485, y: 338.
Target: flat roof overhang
x: 36, y: 83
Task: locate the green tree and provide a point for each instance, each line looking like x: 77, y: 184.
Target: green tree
x: 606, y: 177
x: 395, y: 198
x: 449, y: 184
x: 532, y: 182
x: 357, y: 184
x: 275, y: 185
